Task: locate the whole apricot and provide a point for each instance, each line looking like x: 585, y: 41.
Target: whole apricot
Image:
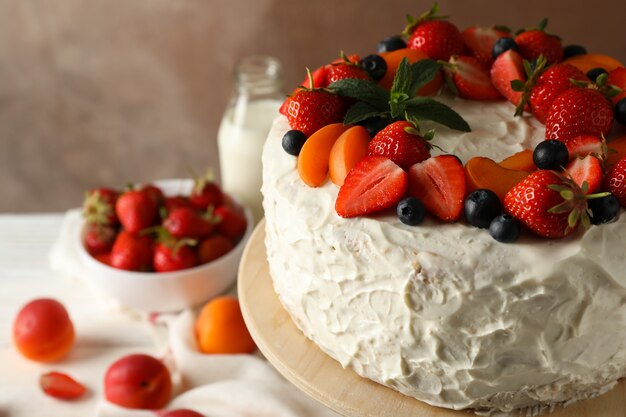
x: 220, y: 328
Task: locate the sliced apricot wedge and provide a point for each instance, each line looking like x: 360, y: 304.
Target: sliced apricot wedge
x: 617, y: 150
x: 315, y: 154
x: 393, y: 60
x: 483, y: 172
x: 521, y: 161
x: 349, y: 149
x: 585, y: 62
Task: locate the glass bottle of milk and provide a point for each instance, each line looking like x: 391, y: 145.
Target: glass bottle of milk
x: 258, y: 94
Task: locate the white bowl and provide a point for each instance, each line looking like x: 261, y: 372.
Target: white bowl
x: 166, y: 291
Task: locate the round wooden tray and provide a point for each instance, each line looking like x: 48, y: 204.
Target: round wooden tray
x: 323, y: 378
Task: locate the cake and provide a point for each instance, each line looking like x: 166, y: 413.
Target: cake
x: 441, y: 311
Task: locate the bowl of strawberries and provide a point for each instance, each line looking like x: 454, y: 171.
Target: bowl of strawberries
x: 164, y: 246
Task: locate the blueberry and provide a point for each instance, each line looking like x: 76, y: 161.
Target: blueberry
x: 293, y: 142
x: 573, y: 50
x: 550, y: 154
x: 375, y: 124
x: 594, y: 73
x: 480, y: 208
x: 391, y: 43
x: 620, y: 112
x: 502, y: 45
x: 505, y: 228
x: 375, y: 66
x: 603, y: 209
x: 411, y: 211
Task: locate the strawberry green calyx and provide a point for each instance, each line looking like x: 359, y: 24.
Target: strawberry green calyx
x: 543, y: 23
x: 533, y: 72
x: 601, y: 84
x: 412, y: 22
x: 95, y: 209
x: 165, y: 238
x: 199, y: 182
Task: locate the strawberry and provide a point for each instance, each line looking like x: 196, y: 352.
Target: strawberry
x: 137, y: 210
x: 548, y: 204
x: 172, y: 203
x: 213, y: 247
x: 583, y: 145
x: 185, y: 222
x: 401, y: 142
x: 480, y: 41
x: 554, y: 81
x: 99, y: 206
x: 232, y: 223
x: 438, y: 38
x: 615, y: 181
x: 439, y: 182
x: 61, y: 386
x: 132, y: 252
x: 578, y: 111
x: 206, y: 193
x: 617, y: 77
x: 308, y: 110
x: 586, y: 170
x: 98, y: 239
x: 508, y: 67
x: 375, y: 183
x: 471, y: 78
x: 105, y: 258
x: 346, y: 67
x: 535, y: 42
x: 174, y: 256
x: 318, y: 79
x: 155, y: 193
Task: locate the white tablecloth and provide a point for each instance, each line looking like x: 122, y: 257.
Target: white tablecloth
x: 218, y: 386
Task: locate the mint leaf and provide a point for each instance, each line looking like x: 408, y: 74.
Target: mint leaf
x: 361, y: 111
x: 422, y: 72
x: 362, y: 90
x: 421, y: 108
x: 402, y: 80
x: 396, y: 103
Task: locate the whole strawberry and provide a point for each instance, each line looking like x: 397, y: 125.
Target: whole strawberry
x: 99, y: 207
x: 185, y: 222
x: 172, y: 203
x: 132, y: 252
x: 154, y: 192
x: 535, y: 42
x: 579, y: 111
x: 206, y: 193
x: 174, y: 256
x: 137, y: 210
x: 615, y: 181
x: 347, y: 67
x: 401, y: 142
x: 438, y: 38
x: 548, y: 204
x: 231, y: 222
x: 552, y: 83
x: 98, y: 239
x: 310, y: 109
x: 213, y: 247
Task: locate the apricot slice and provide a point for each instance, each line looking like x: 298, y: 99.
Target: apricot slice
x: 220, y: 328
x: 349, y: 149
x: 315, y: 154
x: 586, y: 62
x: 521, y: 161
x: 617, y: 150
x: 393, y: 60
x: 483, y: 172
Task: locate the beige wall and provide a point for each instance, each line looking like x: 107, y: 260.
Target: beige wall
x: 101, y: 92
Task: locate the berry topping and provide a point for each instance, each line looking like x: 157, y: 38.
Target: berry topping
x: 374, y: 184
x: 502, y: 45
x: 615, y: 181
x: 438, y: 38
x: 481, y: 40
x: 573, y: 50
x: 375, y: 65
x: 481, y: 207
x: 505, y: 228
x: 620, y: 112
x: 439, y: 182
x: 391, y: 43
x: 594, y: 73
x: 617, y: 78
x: 603, y: 210
x: 400, y: 142
x: 471, y: 78
x: 506, y: 68
x: 586, y: 173
x: 411, y: 211
x: 550, y: 154
x: 293, y: 141
x: 583, y: 145
x: 536, y: 42
x: 346, y: 67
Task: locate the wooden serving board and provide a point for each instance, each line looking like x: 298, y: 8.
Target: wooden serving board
x: 323, y: 378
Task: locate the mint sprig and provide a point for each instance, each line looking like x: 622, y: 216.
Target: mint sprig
x: 401, y: 102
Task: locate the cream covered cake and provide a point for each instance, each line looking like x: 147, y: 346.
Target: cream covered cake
x: 444, y: 311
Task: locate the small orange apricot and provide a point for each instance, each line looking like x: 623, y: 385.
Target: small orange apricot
x: 315, y: 154
x: 483, y: 172
x: 521, y: 161
x: 393, y: 60
x: 349, y: 149
x: 586, y: 62
x: 220, y: 328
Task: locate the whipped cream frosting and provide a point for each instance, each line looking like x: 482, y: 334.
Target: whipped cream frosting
x: 442, y: 312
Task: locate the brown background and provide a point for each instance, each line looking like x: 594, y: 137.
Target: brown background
x: 100, y: 92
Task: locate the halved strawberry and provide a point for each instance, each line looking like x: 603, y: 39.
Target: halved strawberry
x: 471, y: 78
x: 480, y: 40
x: 583, y: 145
x: 587, y: 169
x: 61, y: 386
x: 439, y: 182
x: 507, y: 67
x: 374, y: 184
